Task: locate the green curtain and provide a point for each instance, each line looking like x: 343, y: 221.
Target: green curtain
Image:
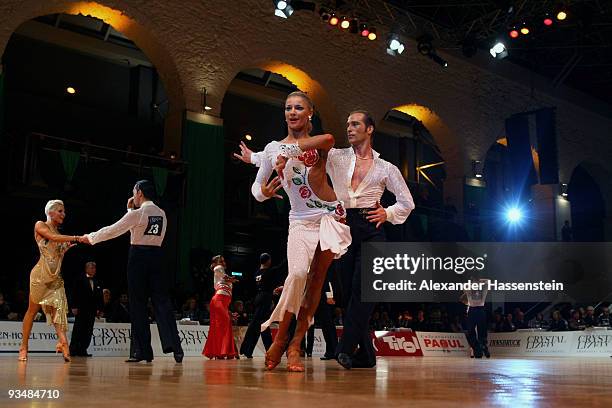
x: 70, y: 161
x: 202, y: 217
x: 160, y: 177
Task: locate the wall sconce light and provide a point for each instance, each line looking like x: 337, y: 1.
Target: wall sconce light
x: 205, y: 107
x: 477, y: 169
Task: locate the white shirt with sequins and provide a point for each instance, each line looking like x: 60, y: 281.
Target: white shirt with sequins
x: 340, y: 167
x: 305, y: 205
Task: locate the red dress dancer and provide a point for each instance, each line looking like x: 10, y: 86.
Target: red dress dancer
x: 220, y: 341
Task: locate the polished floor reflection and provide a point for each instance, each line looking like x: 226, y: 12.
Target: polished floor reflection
x: 428, y: 382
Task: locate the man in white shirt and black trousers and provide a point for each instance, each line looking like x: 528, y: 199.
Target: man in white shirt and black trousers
x: 359, y: 177
x: 147, y: 225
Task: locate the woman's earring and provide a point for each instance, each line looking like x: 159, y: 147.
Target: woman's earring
x: 310, y: 118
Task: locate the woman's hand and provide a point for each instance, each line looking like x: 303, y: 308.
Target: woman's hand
x: 83, y: 240
x: 269, y: 190
x: 245, y: 153
x: 281, y: 162
x: 66, y: 246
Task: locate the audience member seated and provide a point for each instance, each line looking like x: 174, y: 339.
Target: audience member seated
x: 538, y: 322
x: 121, y: 310
x: 507, y: 324
x: 498, y: 322
x: 519, y: 320
x: 191, y: 311
x: 604, y: 320
x: 575, y: 322
x: 107, y: 305
x: 405, y: 320
x: 239, y: 316
x: 558, y: 323
x: 589, y: 319
x: 5, y: 309
x: 420, y: 323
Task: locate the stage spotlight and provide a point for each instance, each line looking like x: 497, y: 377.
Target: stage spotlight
x: 71, y: 90
x: 372, y: 36
x: 561, y: 15
x: 548, y: 21
x: 283, y: 8
x: 345, y: 23
x: 499, y: 51
x: 524, y: 30
x: 333, y: 19
x: 513, y: 33
x: 395, y: 46
x: 248, y: 137
x: 363, y: 30
x: 514, y: 215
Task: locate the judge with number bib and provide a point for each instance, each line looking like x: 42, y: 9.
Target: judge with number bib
x: 147, y: 225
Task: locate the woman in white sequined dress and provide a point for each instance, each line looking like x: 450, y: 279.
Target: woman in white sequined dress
x: 316, y: 223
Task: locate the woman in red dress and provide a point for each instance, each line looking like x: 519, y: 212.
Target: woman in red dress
x: 220, y: 341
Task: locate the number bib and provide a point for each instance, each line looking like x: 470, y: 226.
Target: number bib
x: 155, y: 226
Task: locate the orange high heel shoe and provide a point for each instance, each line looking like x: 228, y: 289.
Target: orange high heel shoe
x: 65, y: 350
x: 294, y: 361
x: 23, y: 354
x: 273, y: 355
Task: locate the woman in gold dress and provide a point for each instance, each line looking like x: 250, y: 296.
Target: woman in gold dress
x: 46, y: 282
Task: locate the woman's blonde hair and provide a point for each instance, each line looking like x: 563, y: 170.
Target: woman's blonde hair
x: 52, y: 205
x: 303, y: 96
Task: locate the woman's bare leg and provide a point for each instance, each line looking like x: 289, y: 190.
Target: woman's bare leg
x: 28, y: 321
x: 318, y: 271
x: 274, y: 353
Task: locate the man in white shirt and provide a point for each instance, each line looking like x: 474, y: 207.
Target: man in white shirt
x: 477, y: 318
x: 359, y: 177
x: 147, y: 225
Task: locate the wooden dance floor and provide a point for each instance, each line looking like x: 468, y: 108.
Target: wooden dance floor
x: 397, y: 381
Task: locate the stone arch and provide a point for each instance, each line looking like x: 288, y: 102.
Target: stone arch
x: 125, y: 19
x: 324, y: 105
x: 449, y: 146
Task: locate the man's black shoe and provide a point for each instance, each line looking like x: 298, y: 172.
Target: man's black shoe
x: 326, y: 357
x: 486, y: 352
x: 345, y: 360
x: 178, y: 357
x: 87, y: 355
x: 138, y: 360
